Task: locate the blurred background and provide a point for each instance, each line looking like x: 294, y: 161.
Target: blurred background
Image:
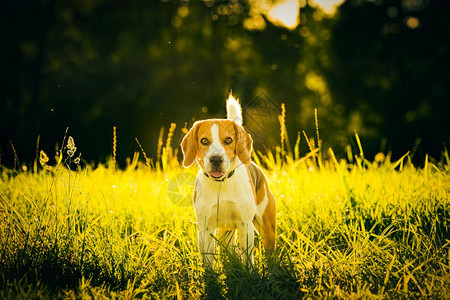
x: 376, y: 67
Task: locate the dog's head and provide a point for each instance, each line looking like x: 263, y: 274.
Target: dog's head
x: 217, y: 145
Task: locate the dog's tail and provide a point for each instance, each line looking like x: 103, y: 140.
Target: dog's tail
x: 234, y: 111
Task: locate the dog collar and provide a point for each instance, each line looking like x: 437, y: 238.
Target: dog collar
x: 220, y: 180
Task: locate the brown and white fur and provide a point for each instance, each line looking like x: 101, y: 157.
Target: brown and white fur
x: 231, y: 192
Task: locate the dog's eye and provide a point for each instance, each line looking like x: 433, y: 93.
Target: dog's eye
x: 228, y: 141
x: 204, y: 141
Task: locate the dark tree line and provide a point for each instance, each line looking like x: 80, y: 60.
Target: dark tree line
x: 380, y: 68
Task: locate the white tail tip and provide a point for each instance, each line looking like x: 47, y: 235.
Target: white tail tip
x: 234, y: 111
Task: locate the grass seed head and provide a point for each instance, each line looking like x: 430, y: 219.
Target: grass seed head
x: 71, y: 149
x: 43, y: 158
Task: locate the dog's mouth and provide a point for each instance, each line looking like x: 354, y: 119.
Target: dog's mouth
x: 216, y: 174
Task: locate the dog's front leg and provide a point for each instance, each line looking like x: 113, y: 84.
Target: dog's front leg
x: 206, y: 244
x: 246, y: 241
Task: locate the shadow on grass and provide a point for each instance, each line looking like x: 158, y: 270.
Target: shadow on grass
x: 271, y: 277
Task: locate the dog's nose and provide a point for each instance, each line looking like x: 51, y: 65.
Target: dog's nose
x: 216, y: 160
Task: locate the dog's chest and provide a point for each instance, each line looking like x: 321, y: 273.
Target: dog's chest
x: 228, y: 205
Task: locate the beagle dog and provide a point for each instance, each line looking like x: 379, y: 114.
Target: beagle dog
x: 231, y: 192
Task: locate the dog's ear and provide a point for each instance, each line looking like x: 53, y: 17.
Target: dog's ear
x: 189, y: 145
x: 244, y: 144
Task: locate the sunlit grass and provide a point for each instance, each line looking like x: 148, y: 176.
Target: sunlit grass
x: 345, y: 229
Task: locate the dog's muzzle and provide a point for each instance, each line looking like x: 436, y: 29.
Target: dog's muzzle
x: 216, y: 162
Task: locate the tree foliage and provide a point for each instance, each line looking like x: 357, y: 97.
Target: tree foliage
x: 380, y: 68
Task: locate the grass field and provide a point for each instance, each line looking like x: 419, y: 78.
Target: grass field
x: 346, y: 229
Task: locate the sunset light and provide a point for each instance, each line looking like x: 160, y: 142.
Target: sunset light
x: 225, y: 149
x: 285, y: 14
x: 327, y: 6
